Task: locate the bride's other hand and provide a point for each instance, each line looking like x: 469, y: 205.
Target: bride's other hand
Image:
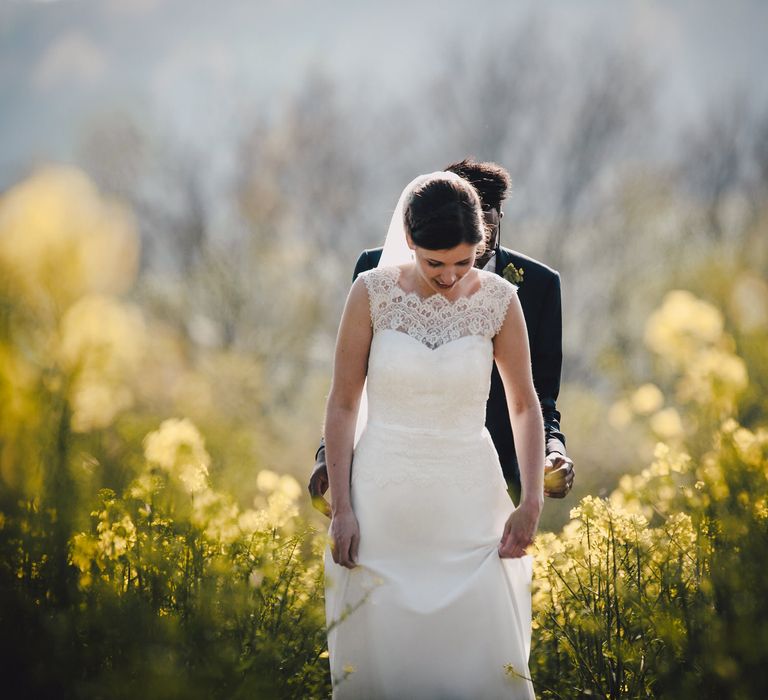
x: 345, y: 538
x: 519, y: 530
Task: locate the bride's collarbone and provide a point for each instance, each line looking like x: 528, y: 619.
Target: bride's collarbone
x: 410, y: 282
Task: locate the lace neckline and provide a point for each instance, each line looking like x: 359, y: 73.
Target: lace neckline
x: 436, y: 320
x: 397, y: 273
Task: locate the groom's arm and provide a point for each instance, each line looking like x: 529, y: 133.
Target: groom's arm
x: 547, y: 363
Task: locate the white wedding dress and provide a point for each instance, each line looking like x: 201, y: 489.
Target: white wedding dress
x: 431, y: 611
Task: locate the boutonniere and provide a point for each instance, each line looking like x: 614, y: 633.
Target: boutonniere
x: 513, y: 274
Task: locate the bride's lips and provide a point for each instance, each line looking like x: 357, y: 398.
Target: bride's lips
x: 444, y: 286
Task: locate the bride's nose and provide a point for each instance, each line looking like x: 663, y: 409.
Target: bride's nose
x: 448, y: 278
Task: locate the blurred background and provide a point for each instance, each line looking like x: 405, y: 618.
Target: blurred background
x: 187, y: 185
x: 261, y: 146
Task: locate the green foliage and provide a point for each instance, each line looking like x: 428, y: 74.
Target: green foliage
x: 172, y: 596
x: 124, y: 571
x: 660, y: 590
x: 128, y: 569
x: 674, y: 607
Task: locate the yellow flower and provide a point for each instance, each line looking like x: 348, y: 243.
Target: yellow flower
x: 280, y: 509
x: 749, y: 445
x: 267, y: 481
x: 646, y: 399
x: 59, y: 239
x: 101, y: 345
x: 178, y: 448
x: 115, y: 538
x: 102, y: 335
x: 96, y: 403
x: 682, y: 325
x: 620, y: 414
x: 290, y: 487
x: 82, y: 550
x: 217, y: 515
x: 251, y: 521
x: 713, y: 375
x: 667, y: 424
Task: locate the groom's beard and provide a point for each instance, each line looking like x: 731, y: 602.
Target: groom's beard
x: 493, y: 247
x: 482, y: 261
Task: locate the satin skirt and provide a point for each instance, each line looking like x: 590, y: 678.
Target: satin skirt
x: 431, y: 610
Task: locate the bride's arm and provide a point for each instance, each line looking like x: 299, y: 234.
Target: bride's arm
x: 513, y: 359
x: 350, y: 366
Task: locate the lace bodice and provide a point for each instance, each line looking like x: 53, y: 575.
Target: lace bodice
x: 429, y: 374
x: 435, y: 320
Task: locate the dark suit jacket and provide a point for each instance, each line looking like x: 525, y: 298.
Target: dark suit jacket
x: 539, y: 295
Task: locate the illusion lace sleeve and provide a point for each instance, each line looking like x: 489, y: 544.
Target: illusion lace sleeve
x: 498, y: 294
x: 380, y: 283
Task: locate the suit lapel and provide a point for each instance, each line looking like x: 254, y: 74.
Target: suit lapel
x: 503, y: 259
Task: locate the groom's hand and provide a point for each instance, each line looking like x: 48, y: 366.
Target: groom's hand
x: 558, y: 475
x: 318, y: 483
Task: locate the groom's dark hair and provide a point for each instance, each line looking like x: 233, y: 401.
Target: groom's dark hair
x: 489, y: 179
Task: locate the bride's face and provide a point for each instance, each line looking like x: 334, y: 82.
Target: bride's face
x: 442, y: 270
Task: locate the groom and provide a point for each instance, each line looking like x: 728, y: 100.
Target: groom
x: 539, y: 294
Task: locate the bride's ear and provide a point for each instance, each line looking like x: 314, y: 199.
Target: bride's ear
x: 409, y: 240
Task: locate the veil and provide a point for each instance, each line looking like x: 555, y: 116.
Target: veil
x: 397, y: 252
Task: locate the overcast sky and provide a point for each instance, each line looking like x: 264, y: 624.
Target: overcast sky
x: 198, y: 65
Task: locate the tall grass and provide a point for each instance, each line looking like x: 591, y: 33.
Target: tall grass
x: 126, y: 571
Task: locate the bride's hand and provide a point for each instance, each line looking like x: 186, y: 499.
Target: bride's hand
x: 519, y: 530
x: 345, y: 538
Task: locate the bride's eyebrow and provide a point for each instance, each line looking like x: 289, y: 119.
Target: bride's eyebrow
x: 440, y: 262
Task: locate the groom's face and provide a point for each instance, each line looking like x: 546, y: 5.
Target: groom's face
x: 492, y: 218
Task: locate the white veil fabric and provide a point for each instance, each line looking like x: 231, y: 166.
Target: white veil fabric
x: 397, y: 252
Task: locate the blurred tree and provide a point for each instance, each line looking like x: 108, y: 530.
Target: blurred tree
x: 716, y: 161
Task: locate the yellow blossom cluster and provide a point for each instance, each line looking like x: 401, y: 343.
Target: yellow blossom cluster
x: 279, y: 495
x: 606, y: 588
x: 173, y: 495
x: 647, y: 401
x: 682, y: 326
x: 178, y: 448
x: 656, y: 488
x: 66, y: 254
x: 115, y: 537
x: 60, y: 239
x: 688, y: 336
x: 101, y: 343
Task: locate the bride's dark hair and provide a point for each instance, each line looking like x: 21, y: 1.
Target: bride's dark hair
x: 444, y: 213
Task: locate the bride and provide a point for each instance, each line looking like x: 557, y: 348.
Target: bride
x: 427, y: 581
